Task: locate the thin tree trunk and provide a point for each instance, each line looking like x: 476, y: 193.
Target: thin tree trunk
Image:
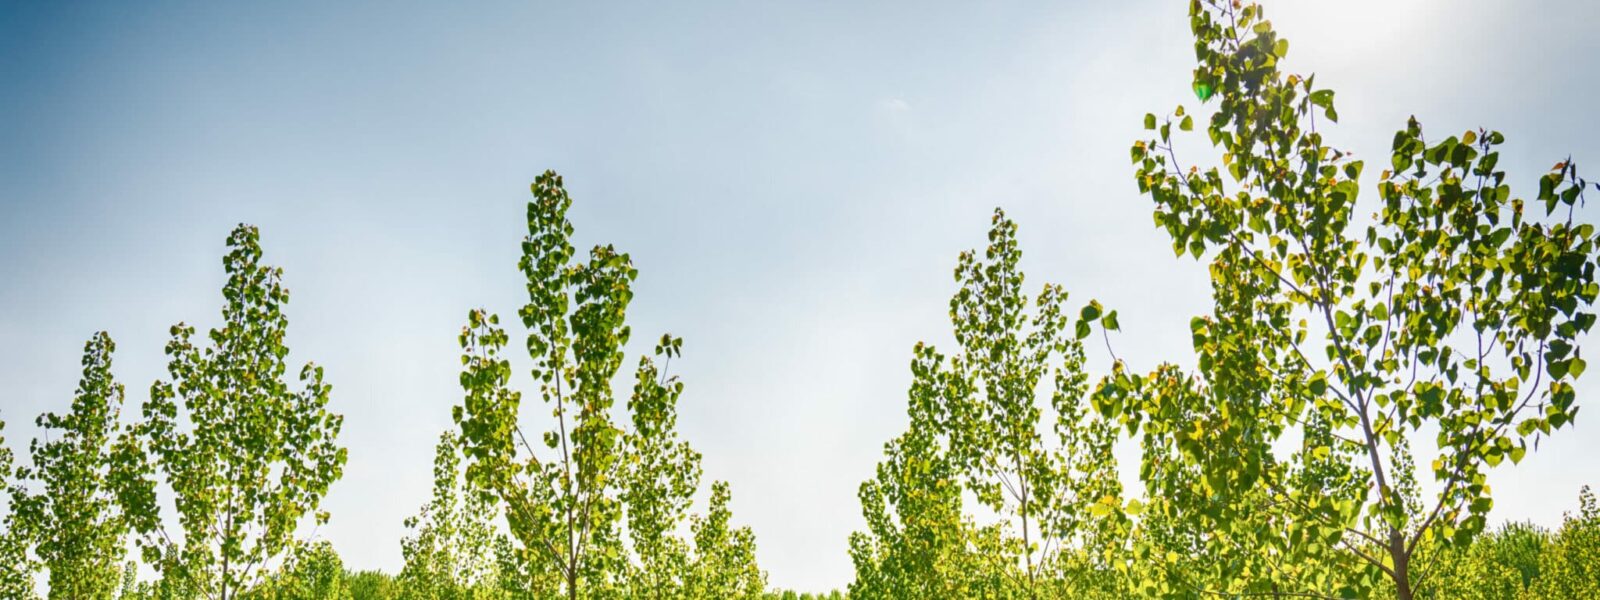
x: 1027, y: 547
x: 1402, y: 566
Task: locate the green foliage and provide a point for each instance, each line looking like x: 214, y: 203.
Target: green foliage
x: 1570, y: 564
x: 793, y: 595
x: 72, y: 517
x: 161, y: 589
x: 1499, y: 564
x: 661, y: 474
x: 372, y: 585
x: 1452, y: 312
x: 1282, y: 465
x: 593, y: 505
x: 313, y: 571
x: 1519, y: 561
x: 452, y: 553
x: 17, y: 568
x: 724, y: 562
x: 246, y: 457
x: 976, y: 429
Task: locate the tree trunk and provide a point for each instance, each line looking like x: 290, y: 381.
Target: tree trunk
x: 1402, y: 566
x: 1027, y: 546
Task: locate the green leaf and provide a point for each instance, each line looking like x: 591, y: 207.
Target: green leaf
x: 1110, y: 322
x: 1324, y: 99
x: 1558, y: 368
x: 1091, y: 311
x: 1318, y: 384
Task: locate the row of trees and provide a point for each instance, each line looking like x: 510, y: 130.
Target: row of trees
x: 217, y: 484
x: 1282, y: 463
x: 241, y: 455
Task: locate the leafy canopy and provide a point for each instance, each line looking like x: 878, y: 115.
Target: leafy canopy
x: 976, y: 429
x: 246, y: 456
x: 1452, y: 314
x: 454, y: 549
x: 16, y: 567
x: 592, y: 505
x: 71, y: 511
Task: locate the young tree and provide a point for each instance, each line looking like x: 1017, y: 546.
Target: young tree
x: 313, y: 571
x: 372, y: 585
x: 724, y: 562
x: 592, y: 504
x: 1570, y: 565
x: 976, y: 423
x: 1453, y: 315
x: 16, y: 567
x: 78, y: 527
x: 1499, y: 564
x: 451, y: 554
x: 246, y: 457
x: 1521, y: 560
x: 919, y: 542
x: 660, y: 475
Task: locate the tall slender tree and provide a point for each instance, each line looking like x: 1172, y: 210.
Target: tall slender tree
x: 660, y: 476
x: 68, y: 498
x: 724, y: 561
x: 1453, y: 314
x: 310, y: 571
x: 453, y: 551
x: 591, y: 503
x: 977, y: 426
x: 17, y: 568
x: 247, y: 458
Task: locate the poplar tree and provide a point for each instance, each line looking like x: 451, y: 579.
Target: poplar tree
x: 589, y: 502
x: 246, y: 456
x: 1447, y: 313
x: 17, y: 568
x: 978, y: 428
x: 68, y: 500
x: 453, y: 550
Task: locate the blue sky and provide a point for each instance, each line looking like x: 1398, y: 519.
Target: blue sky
x: 794, y: 182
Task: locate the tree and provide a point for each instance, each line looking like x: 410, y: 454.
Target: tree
x: 372, y: 585
x: 16, y: 567
x: 79, y: 529
x: 451, y: 554
x: 246, y: 457
x: 660, y: 475
x: 1570, y: 564
x: 593, y: 504
x: 793, y: 595
x: 313, y: 571
x: 1453, y: 310
x: 919, y: 541
x: 1520, y: 560
x: 976, y: 428
x: 1499, y: 564
x: 724, y: 564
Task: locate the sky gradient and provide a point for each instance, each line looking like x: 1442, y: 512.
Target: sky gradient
x: 793, y: 181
